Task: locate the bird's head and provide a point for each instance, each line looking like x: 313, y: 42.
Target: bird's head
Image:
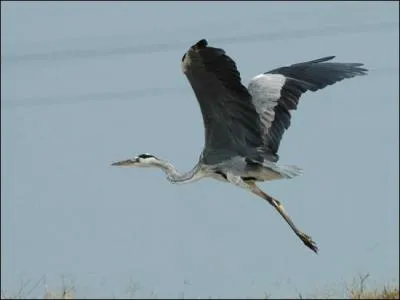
x: 142, y: 160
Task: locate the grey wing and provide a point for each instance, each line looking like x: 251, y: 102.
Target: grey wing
x: 278, y: 91
x: 231, y: 122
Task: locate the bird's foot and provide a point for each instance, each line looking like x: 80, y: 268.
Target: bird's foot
x: 307, y: 240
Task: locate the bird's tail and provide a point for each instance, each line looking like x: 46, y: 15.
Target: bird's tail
x: 288, y: 172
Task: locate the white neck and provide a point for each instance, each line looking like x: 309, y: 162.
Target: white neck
x: 176, y: 177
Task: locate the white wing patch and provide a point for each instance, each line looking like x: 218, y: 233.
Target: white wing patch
x: 265, y: 90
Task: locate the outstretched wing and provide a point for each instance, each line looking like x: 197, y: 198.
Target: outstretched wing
x: 231, y: 122
x: 278, y: 91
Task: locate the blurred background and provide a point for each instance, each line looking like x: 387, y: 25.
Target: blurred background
x: 88, y: 83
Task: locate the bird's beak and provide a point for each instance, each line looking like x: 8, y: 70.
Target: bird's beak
x: 124, y: 163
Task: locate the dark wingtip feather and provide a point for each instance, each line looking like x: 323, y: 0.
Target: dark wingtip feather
x: 360, y: 71
x: 355, y: 69
x: 323, y: 59
x: 201, y: 44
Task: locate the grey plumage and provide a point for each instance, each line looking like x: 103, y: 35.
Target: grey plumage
x: 307, y: 76
x: 244, y: 126
x: 230, y: 120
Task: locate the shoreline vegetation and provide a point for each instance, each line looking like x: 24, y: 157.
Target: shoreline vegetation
x: 357, y: 289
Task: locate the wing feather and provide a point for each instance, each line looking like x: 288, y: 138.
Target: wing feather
x: 240, y: 121
x: 230, y: 119
x: 277, y: 92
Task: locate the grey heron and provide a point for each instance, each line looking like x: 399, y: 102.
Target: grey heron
x: 244, y: 126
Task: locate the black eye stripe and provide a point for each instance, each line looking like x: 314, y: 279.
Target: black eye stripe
x: 145, y: 156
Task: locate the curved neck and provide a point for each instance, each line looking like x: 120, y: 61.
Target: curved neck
x: 176, y: 177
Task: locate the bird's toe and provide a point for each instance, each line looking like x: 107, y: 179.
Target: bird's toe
x: 307, y: 240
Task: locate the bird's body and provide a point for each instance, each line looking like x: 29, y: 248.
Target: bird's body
x: 244, y: 126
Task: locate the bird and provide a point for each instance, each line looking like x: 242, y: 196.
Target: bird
x: 243, y: 127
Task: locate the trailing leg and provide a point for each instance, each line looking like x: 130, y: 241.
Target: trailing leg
x: 279, y: 207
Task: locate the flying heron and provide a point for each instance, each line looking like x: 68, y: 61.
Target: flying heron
x: 244, y: 126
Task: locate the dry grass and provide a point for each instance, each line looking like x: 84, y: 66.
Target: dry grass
x: 385, y: 293
x: 356, y: 290
x: 359, y: 291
